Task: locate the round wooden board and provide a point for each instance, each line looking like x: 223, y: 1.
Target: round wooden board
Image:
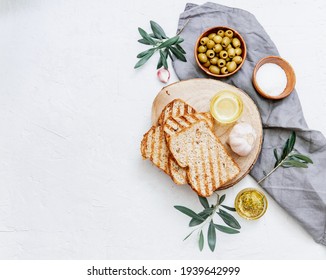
x: 198, y: 93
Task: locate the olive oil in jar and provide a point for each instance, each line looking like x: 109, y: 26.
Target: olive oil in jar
x: 226, y: 107
x: 251, y: 204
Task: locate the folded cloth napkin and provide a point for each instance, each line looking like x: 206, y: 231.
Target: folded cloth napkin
x: 302, y: 193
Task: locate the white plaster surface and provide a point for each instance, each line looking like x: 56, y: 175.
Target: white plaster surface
x: 72, y: 114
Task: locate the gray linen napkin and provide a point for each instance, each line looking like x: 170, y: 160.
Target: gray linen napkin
x: 302, y: 193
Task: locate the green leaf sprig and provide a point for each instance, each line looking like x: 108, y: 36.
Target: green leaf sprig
x: 289, y: 158
x: 161, y: 43
x: 199, y: 220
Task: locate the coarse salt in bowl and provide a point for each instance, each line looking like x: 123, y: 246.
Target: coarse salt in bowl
x: 273, y: 78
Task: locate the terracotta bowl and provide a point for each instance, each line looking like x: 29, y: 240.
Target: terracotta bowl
x: 235, y: 35
x: 290, y: 75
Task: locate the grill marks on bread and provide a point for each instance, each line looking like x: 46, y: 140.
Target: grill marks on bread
x: 208, y: 164
x: 173, y: 125
x: 175, y: 108
x: 178, y: 173
x: 154, y: 147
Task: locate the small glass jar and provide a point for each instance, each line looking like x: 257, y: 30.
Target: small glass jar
x: 251, y: 204
x: 226, y: 107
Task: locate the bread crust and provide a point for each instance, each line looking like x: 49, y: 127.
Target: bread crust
x: 175, y: 108
x: 178, y: 173
x: 154, y: 147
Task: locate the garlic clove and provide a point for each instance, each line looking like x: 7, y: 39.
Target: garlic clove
x: 163, y: 75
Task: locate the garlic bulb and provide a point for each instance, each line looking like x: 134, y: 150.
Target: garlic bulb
x: 242, y: 139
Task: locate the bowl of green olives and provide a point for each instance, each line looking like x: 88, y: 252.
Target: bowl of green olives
x: 220, y: 51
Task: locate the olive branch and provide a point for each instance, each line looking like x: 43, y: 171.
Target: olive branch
x: 290, y: 157
x: 161, y: 43
x: 199, y: 220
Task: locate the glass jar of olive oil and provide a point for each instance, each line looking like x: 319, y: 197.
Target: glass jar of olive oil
x: 251, y: 204
x: 226, y: 107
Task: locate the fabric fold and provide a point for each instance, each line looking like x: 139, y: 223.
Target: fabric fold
x: 302, y: 193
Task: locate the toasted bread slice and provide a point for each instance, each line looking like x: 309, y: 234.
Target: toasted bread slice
x: 177, y: 173
x: 173, y: 125
x: 175, y: 108
x: 154, y: 147
x: 208, y: 164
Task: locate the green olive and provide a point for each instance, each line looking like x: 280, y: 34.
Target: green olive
x: 236, y: 42
x: 204, y: 40
x: 220, y: 33
x: 223, y: 54
x: 228, y: 47
x: 214, y: 69
x: 228, y: 63
x: 207, y: 64
x: 210, y: 44
x: 213, y: 60
x: 217, y: 48
x: 202, y: 58
x: 225, y: 42
x: 232, y: 66
x: 237, y: 59
x: 210, y: 53
x: 202, y: 49
x: 217, y: 39
x: 231, y: 52
x: 211, y: 36
x: 228, y: 59
x: 221, y: 63
x: 238, y: 51
x: 229, y: 33
x: 224, y: 70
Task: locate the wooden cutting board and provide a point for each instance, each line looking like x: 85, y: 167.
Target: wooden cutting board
x: 198, y: 93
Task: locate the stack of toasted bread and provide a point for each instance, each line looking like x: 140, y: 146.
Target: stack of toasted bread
x: 185, y: 147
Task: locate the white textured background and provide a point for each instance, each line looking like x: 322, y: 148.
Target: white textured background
x: 72, y: 115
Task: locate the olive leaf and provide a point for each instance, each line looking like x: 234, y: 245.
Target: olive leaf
x: 169, y: 42
x: 180, y: 48
x: 169, y: 54
x: 188, y: 212
x: 302, y: 158
x: 203, y: 201
x: 229, y: 208
x: 293, y: 163
x: 144, y: 41
x: 159, y: 63
x: 211, y: 236
x: 178, y: 54
x: 146, y: 36
x: 201, y: 241
x: 157, y: 30
x: 289, y: 157
x: 162, y: 60
x: 142, y: 54
x: 162, y: 43
x: 277, y: 159
x: 144, y: 59
x: 221, y: 199
x: 228, y: 219
x: 226, y: 229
